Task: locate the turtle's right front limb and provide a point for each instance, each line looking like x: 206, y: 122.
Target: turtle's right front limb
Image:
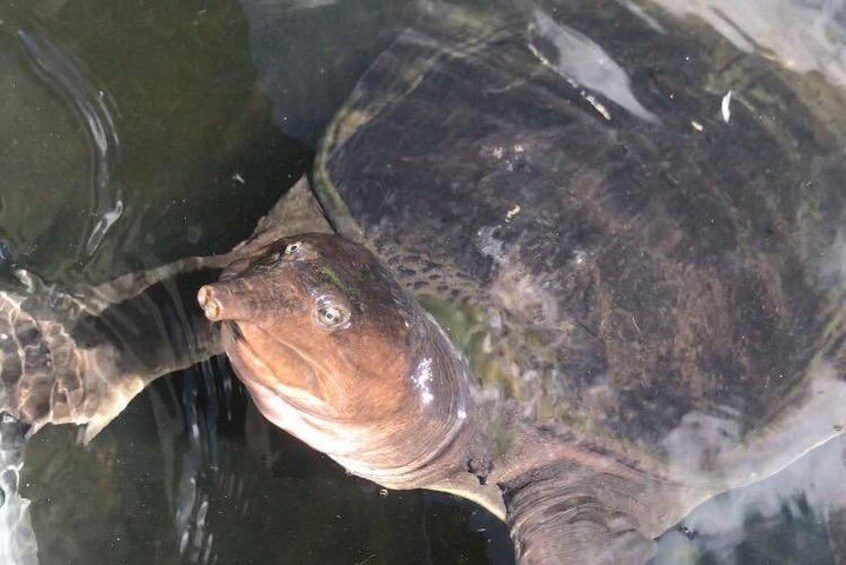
x: 69, y: 367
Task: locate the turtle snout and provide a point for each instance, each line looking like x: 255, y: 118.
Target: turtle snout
x: 252, y: 299
x: 226, y: 301
x: 209, y: 302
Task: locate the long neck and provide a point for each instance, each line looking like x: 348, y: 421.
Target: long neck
x: 465, y: 468
x: 157, y: 331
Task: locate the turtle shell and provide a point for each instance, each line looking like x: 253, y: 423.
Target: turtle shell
x: 623, y: 236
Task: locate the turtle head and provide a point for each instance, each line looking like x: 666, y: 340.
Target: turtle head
x: 334, y: 351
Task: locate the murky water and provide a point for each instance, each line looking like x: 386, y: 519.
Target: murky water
x: 134, y: 134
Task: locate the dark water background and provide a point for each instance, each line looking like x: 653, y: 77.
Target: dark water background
x: 135, y: 133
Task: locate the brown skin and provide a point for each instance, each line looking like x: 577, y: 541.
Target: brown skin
x: 333, y: 351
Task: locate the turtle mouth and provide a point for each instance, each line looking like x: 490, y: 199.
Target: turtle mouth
x: 254, y: 371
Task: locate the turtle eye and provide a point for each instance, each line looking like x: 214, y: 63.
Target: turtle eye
x: 267, y: 262
x: 292, y: 248
x: 332, y: 315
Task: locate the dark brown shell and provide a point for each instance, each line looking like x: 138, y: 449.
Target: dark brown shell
x: 640, y: 270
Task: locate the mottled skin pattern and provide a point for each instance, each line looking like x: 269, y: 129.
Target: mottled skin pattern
x: 67, y: 361
x: 43, y: 361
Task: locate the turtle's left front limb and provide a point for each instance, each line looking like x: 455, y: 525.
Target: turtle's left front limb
x: 581, y: 500
x: 565, y: 513
x: 133, y: 342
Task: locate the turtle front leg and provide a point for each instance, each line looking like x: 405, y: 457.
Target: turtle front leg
x: 67, y: 366
x: 565, y: 513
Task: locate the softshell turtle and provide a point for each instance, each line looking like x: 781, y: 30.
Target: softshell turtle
x: 643, y: 304
x: 648, y: 289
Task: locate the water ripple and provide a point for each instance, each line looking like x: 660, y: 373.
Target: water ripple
x: 17, y: 538
x: 59, y: 70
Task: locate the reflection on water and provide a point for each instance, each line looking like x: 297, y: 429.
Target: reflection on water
x: 60, y: 70
x: 17, y: 538
x: 176, y: 86
x: 771, y: 521
x: 137, y: 135
x: 310, y: 53
x: 576, y: 58
x: 803, y: 36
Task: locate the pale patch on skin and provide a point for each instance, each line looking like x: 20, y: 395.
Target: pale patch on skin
x: 725, y: 107
x: 422, y: 376
x: 833, y: 262
x: 514, y: 287
x: 525, y: 295
x: 714, y: 447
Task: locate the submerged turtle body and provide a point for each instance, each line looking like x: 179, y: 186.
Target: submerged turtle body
x: 648, y: 293
x: 603, y: 262
x: 626, y: 267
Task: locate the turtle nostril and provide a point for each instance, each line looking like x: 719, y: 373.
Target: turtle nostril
x: 210, y: 305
